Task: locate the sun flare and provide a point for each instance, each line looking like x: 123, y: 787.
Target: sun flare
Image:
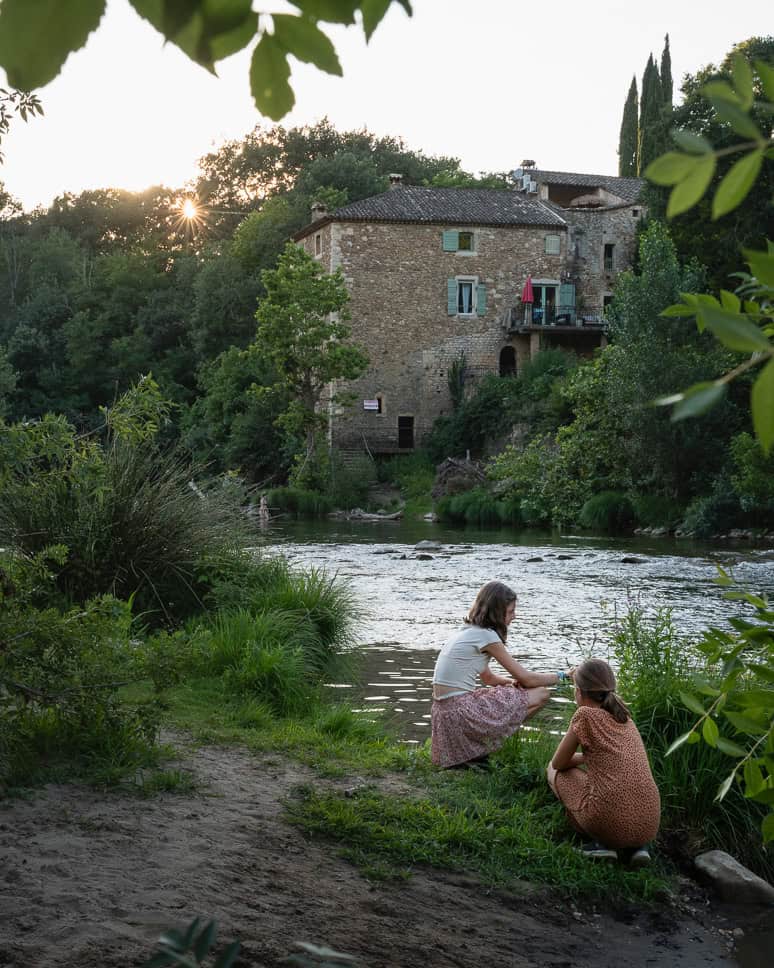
x: 189, y: 209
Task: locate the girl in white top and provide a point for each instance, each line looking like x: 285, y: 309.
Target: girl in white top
x: 469, y: 722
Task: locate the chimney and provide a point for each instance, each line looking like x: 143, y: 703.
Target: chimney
x: 319, y: 210
x: 396, y: 180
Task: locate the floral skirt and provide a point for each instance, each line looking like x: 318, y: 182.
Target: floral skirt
x: 476, y: 723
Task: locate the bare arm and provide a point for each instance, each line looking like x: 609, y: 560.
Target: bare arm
x: 490, y: 678
x: 565, y: 754
x: 525, y: 678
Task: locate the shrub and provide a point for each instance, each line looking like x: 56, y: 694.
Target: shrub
x: 133, y: 524
x: 299, y: 502
x: 655, y: 511
x: 349, y: 481
x: 609, y: 511
x: 60, y: 676
x: 478, y: 507
x: 717, y: 511
x: 655, y: 667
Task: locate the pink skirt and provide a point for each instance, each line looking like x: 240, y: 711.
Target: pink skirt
x: 469, y: 726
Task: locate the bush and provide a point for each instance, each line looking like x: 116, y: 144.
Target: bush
x: 717, y: 511
x: 609, y: 511
x: 655, y: 667
x: 655, y: 511
x: 299, y: 502
x: 349, y: 481
x: 133, y: 524
x: 60, y: 676
x: 478, y: 507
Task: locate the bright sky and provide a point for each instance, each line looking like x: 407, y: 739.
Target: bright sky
x: 488, y: 81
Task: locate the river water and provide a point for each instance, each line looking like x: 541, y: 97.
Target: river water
x: 570, y: 588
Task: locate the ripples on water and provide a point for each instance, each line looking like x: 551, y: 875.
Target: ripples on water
x: 570, y: 589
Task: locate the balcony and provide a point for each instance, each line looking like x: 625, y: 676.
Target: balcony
x: 519, y: 320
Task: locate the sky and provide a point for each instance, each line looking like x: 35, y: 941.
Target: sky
x: 490, y: 82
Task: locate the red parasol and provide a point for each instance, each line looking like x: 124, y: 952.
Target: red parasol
x: 527, y: 296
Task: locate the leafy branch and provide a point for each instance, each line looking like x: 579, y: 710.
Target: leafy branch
x: 36, y: 39
x: 16, y: 102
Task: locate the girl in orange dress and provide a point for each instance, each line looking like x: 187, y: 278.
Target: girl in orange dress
x: 607, y: 788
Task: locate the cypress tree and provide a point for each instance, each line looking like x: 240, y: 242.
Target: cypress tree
x: 651, y: 117
x: 666, y: 75
x: 627, y: 139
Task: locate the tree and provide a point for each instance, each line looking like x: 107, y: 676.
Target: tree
x: 628, y: 137
x: 303, y: 332
x: 36, y: 39
x: 16, y: 102
x: 665, y: 75
x: 651, y: 123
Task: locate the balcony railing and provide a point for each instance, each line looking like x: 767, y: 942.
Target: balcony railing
x: 519, y: 318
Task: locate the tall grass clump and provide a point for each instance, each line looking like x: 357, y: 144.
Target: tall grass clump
x: 478, y: 507
x: 133, y: 524
x: 655, y: 511
x: 609, y: 511
x: 655, y: 667
x: 299, y: 502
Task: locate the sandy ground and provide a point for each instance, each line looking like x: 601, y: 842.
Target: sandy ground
x: 91, y: 879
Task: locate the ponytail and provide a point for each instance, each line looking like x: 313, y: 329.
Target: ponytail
x: 595, y: 679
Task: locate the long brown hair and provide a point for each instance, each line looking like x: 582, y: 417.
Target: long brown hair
x: 488, y: 610
x: 596, y: 679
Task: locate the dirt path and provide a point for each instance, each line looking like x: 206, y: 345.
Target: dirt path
x: 90, y: 880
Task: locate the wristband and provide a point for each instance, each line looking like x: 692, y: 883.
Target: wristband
x: 561, y: 676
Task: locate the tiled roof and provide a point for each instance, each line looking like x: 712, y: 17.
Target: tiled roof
x: 452, y: 206
x: 628, y: 189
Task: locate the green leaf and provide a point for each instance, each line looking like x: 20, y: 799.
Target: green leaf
x: 693, y: 738
x: 725, y: 786
x: 206, y: 940
x: 694, y: 144
x: 734, y: 330
x: 671, y: 168
x: 767, y: 827
x: 229, y: 956
x: 37, y: 38
x: 737, y: 183
x: 743, y: 80
x: 764, y: 796
x: 762, y: 405
x: 730, y: 301
x: 745, y: 724
x: 304, y: 40
x: 720, y: 90
x: 692, y: 703
x: 710, y: 732
x: 678, y: 743
x: 761, y: 265
x: 269, y: 73
x: 766, y: 74
x: 753, y: 779
x: 698, y: 399
x: 230, y: 41
x: 679, y: 310
x: 688, y: 192
x: 205, y: 30
x: 373, y: 11
x: 332, y: 11
x: 730, y: 748
x: 741, y: 122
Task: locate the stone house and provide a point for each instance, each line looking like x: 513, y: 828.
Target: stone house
x: 438, y: 272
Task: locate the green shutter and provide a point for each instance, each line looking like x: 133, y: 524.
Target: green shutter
x: 451, y: 241
x: 451, y: 296
x: 567, y: 296
x: 481, y: 299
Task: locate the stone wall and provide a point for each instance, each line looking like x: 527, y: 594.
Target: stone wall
x: 589, y: 231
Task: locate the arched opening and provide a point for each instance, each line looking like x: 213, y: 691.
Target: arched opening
x: 507, y: 361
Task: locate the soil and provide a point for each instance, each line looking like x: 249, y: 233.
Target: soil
x: 91, y: 879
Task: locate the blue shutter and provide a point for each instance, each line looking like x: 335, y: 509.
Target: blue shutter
x: 451, y: 241
x: 451, y: 296
x: 481, y: 299
x: 567, y: 296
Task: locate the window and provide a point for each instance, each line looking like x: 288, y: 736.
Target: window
x: 318, y: 244
x: 553, y: 245
x: 606, y: 301
x: 609, y: 257
x: 374, y: 405
x: 636, y: 212
x: 454, y: 241
x: 466, y: 296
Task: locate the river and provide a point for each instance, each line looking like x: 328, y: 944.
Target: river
x: 570, y: 588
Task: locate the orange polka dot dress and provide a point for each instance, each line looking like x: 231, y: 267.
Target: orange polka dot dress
x: 614, y: 799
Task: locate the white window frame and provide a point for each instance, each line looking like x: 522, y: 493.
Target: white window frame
x: 473, y: 280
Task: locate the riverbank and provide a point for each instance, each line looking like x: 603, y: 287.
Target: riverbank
x: 92, y: 879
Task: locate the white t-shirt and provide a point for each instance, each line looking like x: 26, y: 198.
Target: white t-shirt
x: 461, y: 661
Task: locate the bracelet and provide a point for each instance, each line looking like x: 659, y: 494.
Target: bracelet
x: 561, y: 676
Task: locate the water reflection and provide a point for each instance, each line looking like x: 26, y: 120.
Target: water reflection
x: 570, y: 590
